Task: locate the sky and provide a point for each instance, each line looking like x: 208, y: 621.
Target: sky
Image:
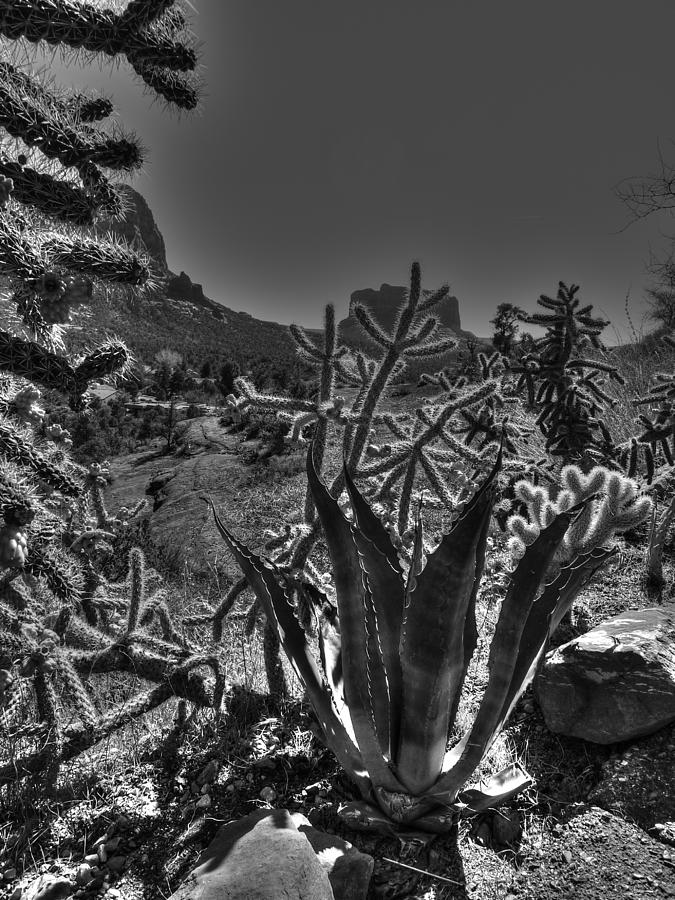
x: 337, y: 142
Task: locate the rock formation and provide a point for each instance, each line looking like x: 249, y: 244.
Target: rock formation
x: 384, y: 304
x: 139, y: 227
x: 614, y: 683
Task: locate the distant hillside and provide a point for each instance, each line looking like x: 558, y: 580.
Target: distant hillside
x: 178, y: 315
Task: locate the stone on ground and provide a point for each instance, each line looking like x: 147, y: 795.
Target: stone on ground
x: 48, y: 887
x: 349, y: 871
x: 260, y: 857
x: 614, y: 683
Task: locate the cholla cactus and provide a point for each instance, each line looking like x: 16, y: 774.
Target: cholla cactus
x: 396, y: 649
x: 566, y: 384
x: 613, y: 505
x: 55, y: 163
x: 64, y: 651
x: 423, y: 449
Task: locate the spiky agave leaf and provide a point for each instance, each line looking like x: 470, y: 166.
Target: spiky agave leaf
x: 384, y: 581
x: 264, y: 578
x: 507, y: 644
x: 366, y: 681
x: 432, y: 640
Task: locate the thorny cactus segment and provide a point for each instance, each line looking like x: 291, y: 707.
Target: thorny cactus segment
x: 396, y: 650
x: 566, y: 384
x: 613, y: 506
x: 74, y: 624
x: 72, y: 652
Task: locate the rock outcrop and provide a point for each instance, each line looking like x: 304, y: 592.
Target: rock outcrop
x: 614, y: 683
x: 139, y: 227
x: 182, y: 287
x: 384, y: 304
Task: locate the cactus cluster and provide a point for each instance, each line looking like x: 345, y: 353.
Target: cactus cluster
x: 425, y: 455
x: 564, y: 383
x: 126, y: 631
x: 59, y: 617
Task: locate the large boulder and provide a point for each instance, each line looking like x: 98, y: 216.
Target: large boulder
x: 614, y: 683
x: 260, y: 857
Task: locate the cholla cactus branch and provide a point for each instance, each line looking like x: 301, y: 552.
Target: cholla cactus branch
x: 108, y: 261
x: 613, y: 506
x: 52, y: 196
x: 49, y: 127
x: 88, y: 27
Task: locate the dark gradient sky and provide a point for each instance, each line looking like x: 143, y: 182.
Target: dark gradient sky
x: 340, y: 141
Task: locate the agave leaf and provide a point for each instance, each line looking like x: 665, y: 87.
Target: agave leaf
x: 495, y: 790
x: 263, y: 578
x: 545, y: 616
x: 470, y: 627
x: 524, y: 585
x: 432, y: 637
x: 384, y: 595
x: 417, y: 556
x: 360, y: 816
x: 370, y: 525
x: 366, y: 688
x: 330, y: 653
x: 581, y: 570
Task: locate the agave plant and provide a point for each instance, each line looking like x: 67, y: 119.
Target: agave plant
x: 395, y: 651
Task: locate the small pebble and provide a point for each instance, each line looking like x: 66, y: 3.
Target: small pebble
x: 83, y: 874
x: 268, y: 794
x: 117, y: 863
x: 9, y: 874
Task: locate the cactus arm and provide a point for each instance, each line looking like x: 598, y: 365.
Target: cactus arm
x: 84, y: 26
x: 52, y: 196
x: 526, y: 580
x: 432, y: 654
x: 365, y: 678
x: 261, y: 576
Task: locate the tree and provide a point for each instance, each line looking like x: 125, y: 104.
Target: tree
x: 167, y: 375
x: 506, y: 327
x: 661, y: 303
x: 205, y: 371
x: 228, y: 372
